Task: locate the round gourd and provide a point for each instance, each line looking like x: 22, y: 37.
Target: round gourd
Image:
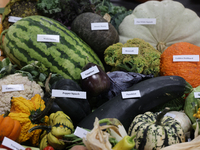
x: 9, y: 128
x: 174, y: 23
x: 154, y: 131
x: 98, y: 40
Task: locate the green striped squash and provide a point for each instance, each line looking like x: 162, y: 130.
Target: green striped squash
x: 67, y: 57
x: 153, y: 132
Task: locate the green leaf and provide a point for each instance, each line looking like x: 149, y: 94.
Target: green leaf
x: 42, y: 77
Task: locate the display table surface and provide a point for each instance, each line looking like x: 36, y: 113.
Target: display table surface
x: 131, y: 4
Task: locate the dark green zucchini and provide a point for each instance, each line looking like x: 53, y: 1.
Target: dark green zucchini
x: 154, y: 91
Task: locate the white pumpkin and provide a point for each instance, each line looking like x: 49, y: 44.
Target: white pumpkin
x: 174, y: 23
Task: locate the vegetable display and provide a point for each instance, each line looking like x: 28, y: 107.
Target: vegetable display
x: 168, y: 29
x: 66, y: 57
x: 147, y: 61
x: 154, y: 91
x: 30, y: 89
x: 155, y: 131
x: 188, y: 70
x: 58, y: 125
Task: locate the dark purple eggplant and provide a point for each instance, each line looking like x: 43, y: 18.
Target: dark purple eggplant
x: 97, y: 83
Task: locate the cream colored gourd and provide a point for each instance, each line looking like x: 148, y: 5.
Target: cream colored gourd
x: 174, y: 23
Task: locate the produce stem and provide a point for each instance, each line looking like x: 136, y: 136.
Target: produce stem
x: 161, y: 115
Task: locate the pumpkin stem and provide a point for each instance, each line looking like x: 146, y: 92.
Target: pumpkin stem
x: 47, y: 128
x: 161, y: 115
x: 37, y: 117
x: 47, y: 89
x: 161, y: 46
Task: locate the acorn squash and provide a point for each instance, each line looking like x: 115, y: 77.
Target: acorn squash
x: 174, y: 23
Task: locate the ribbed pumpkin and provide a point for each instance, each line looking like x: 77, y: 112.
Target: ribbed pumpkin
x: 9, y: 128
x: 154, y: 131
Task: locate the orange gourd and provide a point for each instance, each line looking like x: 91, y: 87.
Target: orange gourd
x: 190, y: 71
x: 9, y: 128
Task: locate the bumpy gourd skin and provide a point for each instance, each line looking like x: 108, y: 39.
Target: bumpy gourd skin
x: 188, y: 70
x: 146, y: 62
x: 21, y: 109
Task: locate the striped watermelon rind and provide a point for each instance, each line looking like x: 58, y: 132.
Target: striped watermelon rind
x: 66, y: 58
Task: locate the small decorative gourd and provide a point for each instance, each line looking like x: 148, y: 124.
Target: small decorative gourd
x: 154, y: 131
x: 9, y: 128
x: 174, y: 23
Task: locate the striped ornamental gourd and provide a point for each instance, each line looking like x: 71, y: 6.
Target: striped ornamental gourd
x: 154, y: 131
x: 66, y: 57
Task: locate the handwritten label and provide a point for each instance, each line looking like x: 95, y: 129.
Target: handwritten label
x: 189, y: 58
x: 13, y: 19
x: 69, y: 94
x: 12, y: 144
x: 100, y: 26
x: 196, y: 94
x: 170, y: 115
x: 12, y: 87
x: 80, y: 132
x: 130, y: 50
x: 48, y: 38
x: 144, y: 21
x: 89, y: 72
x: 130, y: 94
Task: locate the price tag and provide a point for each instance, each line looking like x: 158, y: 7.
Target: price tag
x: 100, y: 26
x: 170, y: 115
x: 48, y: 38
x: 69, y: 94
x: 89, y: 72
x: 131, y: 94
x: 184, y: 58
x: 196, y: 94
x: 13, y: 19
x: 144, y: 21
x: 80, y: 132
x: 130, y: 50
x: 12, y: 144
x: 12, y: 87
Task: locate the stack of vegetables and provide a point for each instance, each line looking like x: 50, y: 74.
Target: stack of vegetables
x: 140, y: 101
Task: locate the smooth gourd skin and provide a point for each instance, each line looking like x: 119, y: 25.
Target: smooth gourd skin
x: 75, y: 108
x: 98, y: 40
x: 174, y: 23
x: 154, y: 91
x: 9, y: 128
x: 153, y: 136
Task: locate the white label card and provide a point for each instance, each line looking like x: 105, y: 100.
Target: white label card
x: 13, y: 19
x: 12, y: 87
x: 170, y: 115
x: 80, y: 132
x: 48, y: 38
x: 100, y: 26
x: 144, y: 21
x: 89, y: 72
x: 189, y: 58
x: 130, y: 94
x: 68, y: 93
x: 196, y: 94
x: 12, y: 144
x: 130, y: 50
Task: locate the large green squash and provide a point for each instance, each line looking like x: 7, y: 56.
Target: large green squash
x: 154, y: 131
x: 174, y: 23
x: 66, y: 57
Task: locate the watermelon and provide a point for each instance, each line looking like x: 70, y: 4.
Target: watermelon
x: 66, y: 57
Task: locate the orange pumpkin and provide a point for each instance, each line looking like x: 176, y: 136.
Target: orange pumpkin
x: 9, y: 128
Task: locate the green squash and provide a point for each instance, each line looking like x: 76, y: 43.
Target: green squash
x: 154, y: 131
